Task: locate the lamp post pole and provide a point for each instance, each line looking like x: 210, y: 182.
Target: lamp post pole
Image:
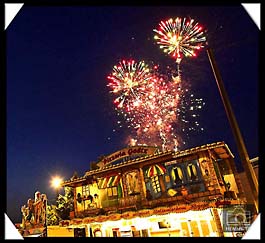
x: 251, y: 177
x: 56, y: 184
x: 57, y: 195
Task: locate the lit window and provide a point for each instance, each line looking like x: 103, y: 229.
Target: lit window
x: 112, y: 192
x: 155, y: 184
x: 192, y: 172
x: 85, y: 190
x: 177, y: 175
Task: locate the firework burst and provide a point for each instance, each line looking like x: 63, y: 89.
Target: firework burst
x: 129, y: 80
x: 151, y: 106
x: 179, y: 38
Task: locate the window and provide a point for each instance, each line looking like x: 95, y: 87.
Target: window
x: 187, y: 174
x: 155, y: 184
x: 85, y: 190
x: 112, y: 192
x: 177, y: 175
x: 192, y: 172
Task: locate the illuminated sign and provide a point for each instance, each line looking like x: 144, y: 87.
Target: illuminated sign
x: 127, y: 152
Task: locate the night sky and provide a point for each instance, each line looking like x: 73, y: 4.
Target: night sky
x: 60, y: 115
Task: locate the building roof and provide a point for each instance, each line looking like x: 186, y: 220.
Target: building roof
x: 220, y: 148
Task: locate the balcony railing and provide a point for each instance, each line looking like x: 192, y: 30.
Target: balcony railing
x: 134, y: 202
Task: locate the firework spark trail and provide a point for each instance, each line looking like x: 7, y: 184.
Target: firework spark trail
x: 159, y: 114
x: 152, y: 104
x: 179, y: 38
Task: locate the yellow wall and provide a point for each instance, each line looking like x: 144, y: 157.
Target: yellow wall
x: 57, y: 231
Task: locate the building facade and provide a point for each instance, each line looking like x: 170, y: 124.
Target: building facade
x: 244, y: 180
x: 142, y: 192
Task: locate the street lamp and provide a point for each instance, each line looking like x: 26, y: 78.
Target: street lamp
x: 243, y: 154
x: 56, y: 182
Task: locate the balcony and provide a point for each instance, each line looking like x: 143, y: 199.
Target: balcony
x: 134, y: 203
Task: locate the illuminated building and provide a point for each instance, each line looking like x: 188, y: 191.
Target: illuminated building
x: 142, y: 192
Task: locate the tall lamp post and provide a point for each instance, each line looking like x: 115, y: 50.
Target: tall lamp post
x: 56, y: 182
x: 178, y: 36
x: 251, y: 177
